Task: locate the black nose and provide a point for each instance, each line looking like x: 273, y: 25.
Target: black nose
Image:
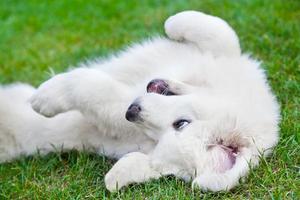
x: 133, y: 111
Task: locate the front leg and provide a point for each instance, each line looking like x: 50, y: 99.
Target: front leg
x: 132, y: 168
x: 100, y: 98
x: 81, y: 89
x: 52, y: 96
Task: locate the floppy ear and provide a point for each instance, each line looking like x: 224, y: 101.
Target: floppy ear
x: 229, y: 155
x: 131, y: 168
x: 222, y: 181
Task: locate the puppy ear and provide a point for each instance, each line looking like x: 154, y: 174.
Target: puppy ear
x: 228, y: 156
x: 222, y: 181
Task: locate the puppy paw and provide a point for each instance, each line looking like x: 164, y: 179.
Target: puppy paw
x: 209, y: 33
x: 177, y: 25
x: 131, y: 168
x: 211, y: 182
x: 114, y: 179
x: 50, y: 98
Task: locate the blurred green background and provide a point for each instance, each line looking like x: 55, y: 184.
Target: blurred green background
x: 39, y: 36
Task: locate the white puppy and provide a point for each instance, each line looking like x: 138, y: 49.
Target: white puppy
x: 190, y: 105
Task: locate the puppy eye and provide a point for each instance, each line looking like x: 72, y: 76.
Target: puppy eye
x: 181, y: 123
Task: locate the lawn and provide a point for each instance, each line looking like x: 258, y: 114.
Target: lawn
x: 37, y: 37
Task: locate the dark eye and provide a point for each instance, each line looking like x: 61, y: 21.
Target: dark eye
x: 181, y: 123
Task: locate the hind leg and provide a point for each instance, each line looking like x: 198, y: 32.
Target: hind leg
x: 12, y: 97
x: 24, y: 132
x: 17, y: 91
x: 209, y: 33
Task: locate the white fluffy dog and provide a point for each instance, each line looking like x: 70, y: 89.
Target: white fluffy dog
x: 190, y: 105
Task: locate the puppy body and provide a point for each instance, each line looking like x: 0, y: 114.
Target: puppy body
x: 220, y: 118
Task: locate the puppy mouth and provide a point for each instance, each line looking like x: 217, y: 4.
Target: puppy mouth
x: 159, y: 86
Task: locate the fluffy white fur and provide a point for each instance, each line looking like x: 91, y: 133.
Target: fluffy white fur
x: 223, y: 93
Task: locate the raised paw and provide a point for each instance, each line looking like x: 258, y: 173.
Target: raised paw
x: 51, y: 98
x: 209, y: 33
x: 177, y: 25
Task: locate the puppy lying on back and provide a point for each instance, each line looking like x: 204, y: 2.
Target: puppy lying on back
x: 190, y: 105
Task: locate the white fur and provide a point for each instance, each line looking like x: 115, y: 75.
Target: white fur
x: 222, y: 92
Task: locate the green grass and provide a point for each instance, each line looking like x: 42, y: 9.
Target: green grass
x: 36, y: 35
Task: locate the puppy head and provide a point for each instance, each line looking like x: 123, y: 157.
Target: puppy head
x: 193, y: 130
